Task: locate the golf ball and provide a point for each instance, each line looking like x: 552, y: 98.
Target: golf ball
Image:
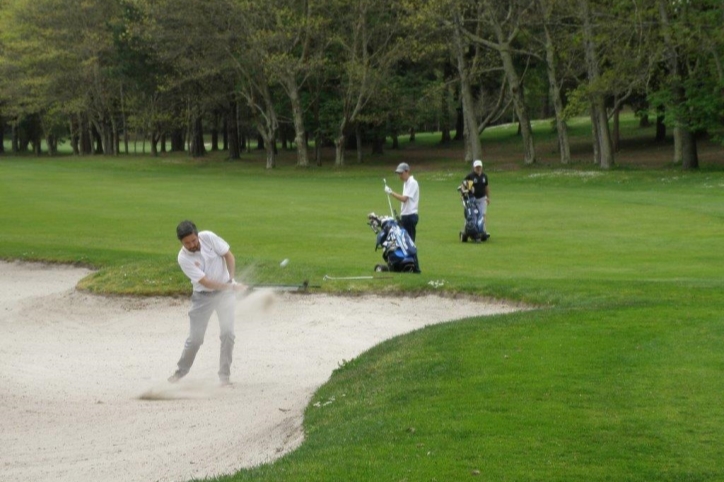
x: 284, y: 262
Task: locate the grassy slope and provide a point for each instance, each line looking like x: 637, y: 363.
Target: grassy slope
x: 618, y: 378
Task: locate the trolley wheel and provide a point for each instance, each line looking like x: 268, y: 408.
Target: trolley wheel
x: 463, y: 237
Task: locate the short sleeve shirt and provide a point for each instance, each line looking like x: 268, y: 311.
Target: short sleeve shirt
x: 412, y: 190
x: 207, y: 262
x: 479, y: 183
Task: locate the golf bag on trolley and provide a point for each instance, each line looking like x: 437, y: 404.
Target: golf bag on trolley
x: 398, y: 249
x: 474, y: 228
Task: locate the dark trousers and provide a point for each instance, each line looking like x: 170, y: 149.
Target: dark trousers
x: 409, y: 222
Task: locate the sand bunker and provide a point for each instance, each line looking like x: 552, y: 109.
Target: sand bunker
x: 84, y: 393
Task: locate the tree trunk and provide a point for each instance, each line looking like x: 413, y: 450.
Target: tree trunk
x: 604, y: 136
x: 446, y: 138
x: 177, y: 140
x: 564, y: 146
x: 318, y: 149
x: 115, y: 137
x: 678, y: 146
x: 521, y: 110
x: 15, y: 141
x: 298, y: 116
x: 215, y: 131
x: 97, y: 138
x: 2, y: 135
x: 197, y: 148
x: 232, y: 131
x: 358, y: 138
x: 378, y: 143
x: 74, y: 138
x: 340, y: 143
x: 270, y: 149
x: 459, y: 125
x: 616, y: 130
x: 412, y: 135
x: 154, y: 143
x: 684, y: 141
x: 86, y: 139
x: 596, y: 143
x: 473, y: 148
x: 598, y: 105
x: 124, y: 120
x: 660, y: 128
x: 690, y: 157
x: 225, y: 133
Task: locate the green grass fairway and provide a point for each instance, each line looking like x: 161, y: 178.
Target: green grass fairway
x: 616, y: 376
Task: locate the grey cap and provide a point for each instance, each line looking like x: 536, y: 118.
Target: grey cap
x: 402, y: 167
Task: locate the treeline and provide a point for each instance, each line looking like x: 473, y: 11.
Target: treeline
x: 344, y: 72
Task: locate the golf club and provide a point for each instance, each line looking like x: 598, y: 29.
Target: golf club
x: 304, y: 286
x: 393, y: 213
x: 327, y: 277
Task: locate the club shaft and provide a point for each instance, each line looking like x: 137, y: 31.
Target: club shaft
x: 389, y: 202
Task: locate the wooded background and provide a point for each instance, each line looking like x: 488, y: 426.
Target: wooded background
x: 310, y: 73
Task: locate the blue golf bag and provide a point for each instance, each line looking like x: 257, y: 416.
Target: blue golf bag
x: 474, y: 228
x: 398, y: 249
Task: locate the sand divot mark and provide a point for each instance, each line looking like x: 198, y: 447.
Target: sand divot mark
x: 184, y: 390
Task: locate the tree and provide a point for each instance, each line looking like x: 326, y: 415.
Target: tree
x: 57, y: 65
x: 293, y: 43
x: 473, y: 148
x: 691, y: 90
x: 366, y: 41
x: 595, y: 90
x: 496, y: 26
x: 551, y: 39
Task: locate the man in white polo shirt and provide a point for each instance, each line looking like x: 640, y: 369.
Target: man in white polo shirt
x: 207, y: 261
x: 410, y: 199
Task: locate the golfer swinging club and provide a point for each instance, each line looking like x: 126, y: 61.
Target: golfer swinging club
x: 206, y: 260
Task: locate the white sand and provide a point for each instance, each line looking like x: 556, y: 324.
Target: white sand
x: 83, y: 391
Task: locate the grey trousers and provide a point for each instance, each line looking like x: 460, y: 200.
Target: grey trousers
x: 203, y: 304
x: 483, y: 208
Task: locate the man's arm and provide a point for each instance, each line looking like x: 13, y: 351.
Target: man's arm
x: 217, y: 286
x: 230, y: 263
x: 399, y: 197
x: 231, y: 268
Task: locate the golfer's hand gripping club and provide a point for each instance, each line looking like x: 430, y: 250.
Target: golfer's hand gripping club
x: 389, y: 203
x: 238, y: 287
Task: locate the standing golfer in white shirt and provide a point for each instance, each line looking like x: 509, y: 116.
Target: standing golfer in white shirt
x: 410, y: 199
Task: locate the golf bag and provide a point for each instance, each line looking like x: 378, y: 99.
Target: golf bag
x: 398, y: 249
x: 474, y: 228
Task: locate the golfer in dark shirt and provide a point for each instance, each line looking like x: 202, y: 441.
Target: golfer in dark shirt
x: 481, y: 191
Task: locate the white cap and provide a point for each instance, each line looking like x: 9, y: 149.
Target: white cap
x: 402, y: 167
x: 477, y: 163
